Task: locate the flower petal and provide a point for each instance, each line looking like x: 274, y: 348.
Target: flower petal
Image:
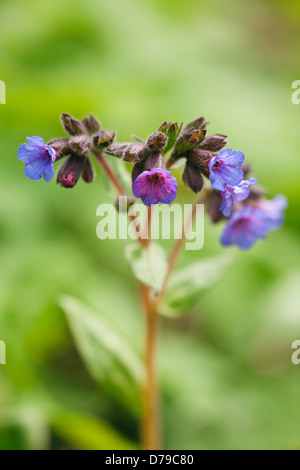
x: 48, y: 173
x: 167, y: 193
x: 28, y: 154
x: 52, y: 153
x: 245, y: 227
x: 35, y: 141
x: 232, y: 176
x: 217, y: 181
x: 139, y: 186
x: 34, y: 170
x: 226, y: 206
x: 224, y: 154
x: 235, y: 159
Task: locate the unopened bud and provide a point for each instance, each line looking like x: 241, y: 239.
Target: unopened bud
x: 80, y: 144
x: 91, y: 124
x: 103, y: 139
x: 193, y: 178
x: 156, y: 141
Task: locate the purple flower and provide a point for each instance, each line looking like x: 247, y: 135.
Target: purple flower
x: 224, y: 169
x: 38, y: 158
x: 154, y: 186
x: 235, y: 194
x: 274, y: 210
x: 245, y: 227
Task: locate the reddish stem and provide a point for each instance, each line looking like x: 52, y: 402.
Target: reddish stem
x: 110, y: 172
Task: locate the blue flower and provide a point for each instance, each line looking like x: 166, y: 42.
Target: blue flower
x: 250, y: 223
x: 154, y: 186
x: 234, y: 194
x: 224, y: 169
x: 38, y: 158
x: 245, y: 227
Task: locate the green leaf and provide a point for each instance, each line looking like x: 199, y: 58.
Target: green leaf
x: 87, y: 433
x: 108, y: 357
x: 148, y: 264
x: 186, y: 285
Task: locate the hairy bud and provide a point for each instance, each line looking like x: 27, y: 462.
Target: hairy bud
x: 193, y: 178
x: 62, y: 147
x: 70, y: 171
x: 91, y: 124
x: 198, y: 123
x: 80, y: 144
x: 103, y: 139
x: 214, y: 143
x: 156, y: 141
x: 88, y: 173
x: 72, y: 125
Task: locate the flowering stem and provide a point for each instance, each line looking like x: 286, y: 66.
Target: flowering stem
x: 118, y: 185
x: 150, y: 424
x: 110, y: 172
x: 151, y: 418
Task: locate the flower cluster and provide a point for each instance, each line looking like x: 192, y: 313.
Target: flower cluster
x: 251, y: 216
x: 231, y: 194
x: 84, y: 136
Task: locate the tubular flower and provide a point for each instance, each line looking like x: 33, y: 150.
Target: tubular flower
x: 38, y: 158
x: 154, y: 186
x: 225, y: 169
x: 234, y: 194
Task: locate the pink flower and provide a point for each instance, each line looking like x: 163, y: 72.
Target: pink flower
x: 154, y: 186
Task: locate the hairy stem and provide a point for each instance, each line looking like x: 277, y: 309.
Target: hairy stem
x: 151, y: 418
x: 150, y: 422
x: 110, y: 172
x: 119, y: 187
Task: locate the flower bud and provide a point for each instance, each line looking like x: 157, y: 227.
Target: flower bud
x: 199, y: 157
x: 135, y: 152
x: 62, y: 147
x: 193, y: 178
x: 189, y: 140
x: 72, y: 125
x: 91, y: 124
x: 198, y: 123
x: 154, y: 160
x: 131, y: 152
x: 171, y: 130
x: 137, y: 170
x: 156, y: 141
x: 214, y: 143
x: 88, y: 173
x: 212, y: 205
x: 80, y: 144
x: 70, y: 171
x: 103, y: 139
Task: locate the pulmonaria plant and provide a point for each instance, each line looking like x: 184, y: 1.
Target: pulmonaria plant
x: 219, y: 174
x: 230, y: 195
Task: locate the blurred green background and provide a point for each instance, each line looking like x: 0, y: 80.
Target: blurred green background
x: 227, y: 380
